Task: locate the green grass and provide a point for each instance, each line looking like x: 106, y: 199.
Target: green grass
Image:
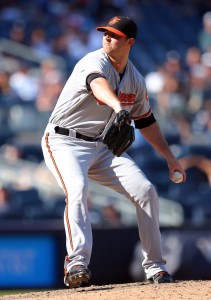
x: 14, y: 292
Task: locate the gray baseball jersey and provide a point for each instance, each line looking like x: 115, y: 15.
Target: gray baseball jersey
x: 78, y: 109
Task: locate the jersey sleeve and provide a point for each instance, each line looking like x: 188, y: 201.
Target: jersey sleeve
x: 89, y: 65
x: 90, y: 77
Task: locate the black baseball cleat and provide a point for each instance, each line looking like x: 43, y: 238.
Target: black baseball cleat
x: 161, y: 277
x: 77, y: 276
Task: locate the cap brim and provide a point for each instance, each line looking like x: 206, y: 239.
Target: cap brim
x: 111, y: 29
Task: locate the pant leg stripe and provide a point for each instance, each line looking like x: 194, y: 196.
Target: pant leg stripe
x: 65, y: 190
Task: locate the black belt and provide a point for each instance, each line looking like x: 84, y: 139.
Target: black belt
x: 65, y: 131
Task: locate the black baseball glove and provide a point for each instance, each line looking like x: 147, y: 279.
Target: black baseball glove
x: 120, y: 135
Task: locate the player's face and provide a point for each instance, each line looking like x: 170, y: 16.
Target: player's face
x: 115, y: 44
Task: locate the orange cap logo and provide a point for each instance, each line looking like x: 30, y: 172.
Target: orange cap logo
x: 114, y: 20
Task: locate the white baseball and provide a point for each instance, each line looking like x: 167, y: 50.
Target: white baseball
x: 177, y: 177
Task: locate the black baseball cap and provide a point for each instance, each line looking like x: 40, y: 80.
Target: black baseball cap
x: 122, y: 26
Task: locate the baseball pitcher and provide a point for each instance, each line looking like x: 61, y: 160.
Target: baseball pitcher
x: 87, y: 136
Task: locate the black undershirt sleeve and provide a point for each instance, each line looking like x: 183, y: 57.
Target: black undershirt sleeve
x: 145, y: 122
x: 90, y: 78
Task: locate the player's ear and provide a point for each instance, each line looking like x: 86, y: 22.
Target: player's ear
x: 131, y: 41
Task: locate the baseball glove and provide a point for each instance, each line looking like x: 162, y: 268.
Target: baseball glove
x: 120, y: 135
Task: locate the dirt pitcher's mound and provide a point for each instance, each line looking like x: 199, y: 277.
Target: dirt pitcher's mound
x: 194, y: 290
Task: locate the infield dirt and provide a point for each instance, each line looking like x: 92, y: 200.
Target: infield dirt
x: 194, y: 290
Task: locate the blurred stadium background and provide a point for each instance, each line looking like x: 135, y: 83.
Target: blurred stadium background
x: 40, y: 42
